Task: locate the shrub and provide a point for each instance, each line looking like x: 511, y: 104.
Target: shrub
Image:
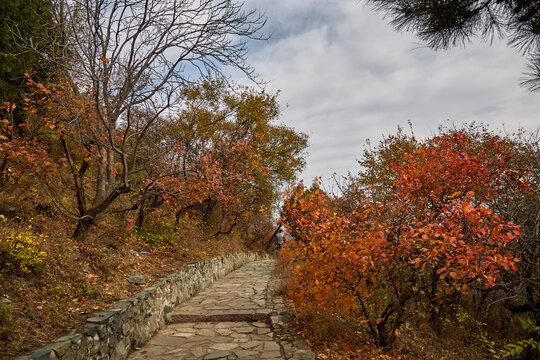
x: 20, y: 254
x: 155, y: 239
x: 433, y: 238
x: 530, y: 346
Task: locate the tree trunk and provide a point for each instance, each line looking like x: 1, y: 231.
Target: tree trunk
x: 140, y: 214
x: 186, y: 208
x: 3, y: 174
x: 435, y: 318
x: 87, y: 217
x: 226, y: 232
x: 209, y: 208
x: 110, y: 169
x: 83, y: 227
x: 272, y: 237
x: 101, y: 186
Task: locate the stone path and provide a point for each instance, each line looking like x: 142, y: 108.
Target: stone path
x: 240, y: 316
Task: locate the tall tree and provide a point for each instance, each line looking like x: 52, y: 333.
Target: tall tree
x: 446, y: 23
x: 139, y: 54
x: 214, y: 117
x: 127, y: 58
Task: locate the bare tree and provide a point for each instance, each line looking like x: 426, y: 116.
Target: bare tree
x: 133, y: 56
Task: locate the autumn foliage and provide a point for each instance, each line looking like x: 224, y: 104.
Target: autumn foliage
x: 221, y: 150
x: 435, y: 236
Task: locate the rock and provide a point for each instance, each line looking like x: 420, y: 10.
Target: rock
x: 91, y: 329
x: 73, y: 338
x: 246, y: 353
x: 217, y: 355
x: 43, y: 355
x: 224, y: 346
x: 61, y: 347
x: 137, y: 279
x: 102, y: 317
x: 271, y: 346
x: 57, y: 349
x: 9, y: 210
x: 306, y: 355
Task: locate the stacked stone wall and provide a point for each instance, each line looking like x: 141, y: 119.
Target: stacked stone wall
x: 112, y: 334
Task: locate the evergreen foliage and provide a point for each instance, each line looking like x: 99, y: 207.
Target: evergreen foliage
x: 19, y: 26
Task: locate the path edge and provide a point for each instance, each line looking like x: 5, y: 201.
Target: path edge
x: 113, y: 333
x: 291, y: 345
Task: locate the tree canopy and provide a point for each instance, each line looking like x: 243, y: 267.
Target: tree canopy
x: 424, y: 225
x: 101, y: 128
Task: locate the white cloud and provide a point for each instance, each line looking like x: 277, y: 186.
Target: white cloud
x: 346, y: 75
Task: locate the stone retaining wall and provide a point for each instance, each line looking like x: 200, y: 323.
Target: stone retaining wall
x: 112, y: 334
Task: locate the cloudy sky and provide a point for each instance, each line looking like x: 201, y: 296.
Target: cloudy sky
x: 346, y: 76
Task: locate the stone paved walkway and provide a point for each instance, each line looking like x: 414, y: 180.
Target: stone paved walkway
x: 237, y: 317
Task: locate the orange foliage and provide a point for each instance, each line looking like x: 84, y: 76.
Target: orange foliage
x: 436, y: 238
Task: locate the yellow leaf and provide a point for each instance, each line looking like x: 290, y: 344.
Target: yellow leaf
x: 457, y: 193
x: 469, y: 194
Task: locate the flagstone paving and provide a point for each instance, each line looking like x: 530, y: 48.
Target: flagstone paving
x: 240, y: 316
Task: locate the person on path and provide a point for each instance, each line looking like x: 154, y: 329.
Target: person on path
x: 279, y: 238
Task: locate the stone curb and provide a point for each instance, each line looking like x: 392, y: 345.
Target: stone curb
x: 112, y: 334
x: 291, y: 345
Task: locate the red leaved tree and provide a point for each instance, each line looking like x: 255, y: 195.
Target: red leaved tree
x: 436, y: 237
